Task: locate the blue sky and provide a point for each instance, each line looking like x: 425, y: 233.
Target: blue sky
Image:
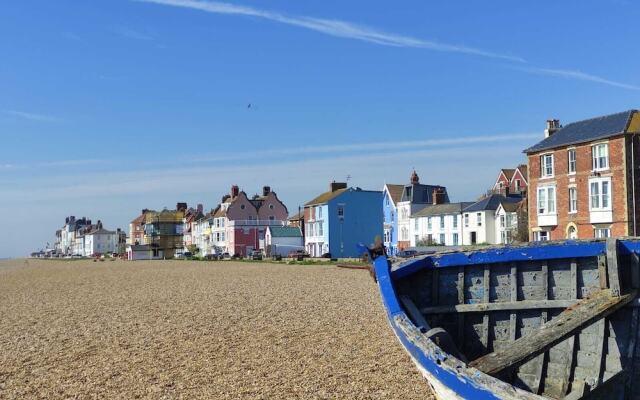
x: 108, y: 107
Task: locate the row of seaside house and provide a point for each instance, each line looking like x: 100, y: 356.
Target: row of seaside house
x: 581, y: 181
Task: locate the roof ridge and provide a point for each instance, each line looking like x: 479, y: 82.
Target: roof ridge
x: 598, y: 117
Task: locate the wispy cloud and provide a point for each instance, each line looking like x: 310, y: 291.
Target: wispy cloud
x: 31, y: 116
x: 577, y: 75
x: 132, y: 33
x: 333, y: 27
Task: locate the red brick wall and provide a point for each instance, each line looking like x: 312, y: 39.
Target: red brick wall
x: 619, y: 226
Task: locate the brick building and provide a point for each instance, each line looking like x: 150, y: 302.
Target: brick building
x: 583, y: 179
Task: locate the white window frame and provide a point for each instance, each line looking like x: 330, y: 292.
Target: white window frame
x: 598, y: 199
x: 601, y: 233
x: 466, y: 220
x: 479, y: 219
x: 573, y: 200
x: 571, y: 162
x: 546, y: 205
x: 455, y: 221
x: 546, y: 171
x: 503, y: 221
x: 600, y: 162
x: 429, y: 224
x: 442, y: 238
x: 541, y: 236
x: 442, y: 222
x: 455, y: 239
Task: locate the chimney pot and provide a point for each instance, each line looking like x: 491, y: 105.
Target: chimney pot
x: 235, y: 190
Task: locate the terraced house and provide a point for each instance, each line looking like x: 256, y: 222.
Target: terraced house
x: 583, y: 179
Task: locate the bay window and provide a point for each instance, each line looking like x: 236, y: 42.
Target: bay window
x: 600, y: 194
x: 547, y: 200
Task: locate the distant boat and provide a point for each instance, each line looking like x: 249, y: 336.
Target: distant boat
x: 557, y: 320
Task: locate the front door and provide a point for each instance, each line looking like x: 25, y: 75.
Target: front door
x: 473, y: 238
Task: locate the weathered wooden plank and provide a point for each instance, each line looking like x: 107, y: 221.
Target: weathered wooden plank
x: 631, y: 351
x: 601, y: 304
x: 598, y: 366
x: 574, y: 279
x: 513, y: 284
x: 542, y: 358
x: 568, y: 366
x: 485, y: 298
x: 505, y: 306
x: 414, y: 312
x: 602, y: 271
x: 460, y: 301
x: 612, y: 265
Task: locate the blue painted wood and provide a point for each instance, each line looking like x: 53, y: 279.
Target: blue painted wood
x: 569, y: 249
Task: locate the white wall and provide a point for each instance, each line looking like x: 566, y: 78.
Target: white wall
x: 422, y: 231
x: 486, y: 233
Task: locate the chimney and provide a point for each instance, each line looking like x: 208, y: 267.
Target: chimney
x: 144, y: 211
x: 266, y: 190
x: 333, y: 186
x: 181, y: 206
x: 553, y: 125
x: 99, y: 225
x: 225, y: 197
x: 235, y: 190
x: 438, y: 196
x: 415, y: 179
x: 200, y: 208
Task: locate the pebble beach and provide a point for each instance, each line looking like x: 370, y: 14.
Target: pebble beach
x: 188, y: 329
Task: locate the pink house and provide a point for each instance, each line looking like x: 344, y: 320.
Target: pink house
x: 239, y: 222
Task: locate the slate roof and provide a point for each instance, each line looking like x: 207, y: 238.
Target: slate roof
x: 325, y: 197
x: 422, y: 193
x: 586, y: 131
x: 491, y: 203
x: 442, y: 209
x: 395, y: 192
x: 285, y: 231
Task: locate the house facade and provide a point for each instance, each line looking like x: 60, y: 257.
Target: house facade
x: 415, y: 196
x: 439, y: 224
x: 338, y: 220
x: 512, y: 181
x: 479, y: 219
x: 280, y: 240
x: 66, y: 236
x: 391, y: 195
x: 583, y: 179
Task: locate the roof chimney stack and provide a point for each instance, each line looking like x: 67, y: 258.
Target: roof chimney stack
x: 235, y: 191
x: 553, y: 125
x: 266, y: 190
x: 333, y: 186
x: 438, y: 196
x: 415, y: 179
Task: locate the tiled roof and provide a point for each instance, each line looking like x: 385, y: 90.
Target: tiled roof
x: 510, y: 207
x: 325, y: 197
x: 492, y: 202
x: 508, y: 173
x: 523, y: 171
x: 285, y: 231
x: 395, y: 192
x: 586, y: 131
x: 442, y: 209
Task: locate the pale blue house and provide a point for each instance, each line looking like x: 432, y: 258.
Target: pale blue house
x: 391, y: 195
x: 338, y: 220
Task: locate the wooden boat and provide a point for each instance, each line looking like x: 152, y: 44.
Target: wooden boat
x: 547, y: 321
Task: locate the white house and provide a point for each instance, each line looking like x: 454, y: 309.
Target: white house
x: 100, y: 241
x: 438, y: 224
x: 506, y: 222
x: 283, y: 239
x: 479, y: 220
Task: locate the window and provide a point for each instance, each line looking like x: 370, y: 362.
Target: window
x: 546, y: 165
x: 573, y: 200
x: 466, y: 220
x: 600, y: 233
x: 455, y: 221
x: 242, y: 206
x: 571, y: 155
x: 600, y: 194
x: 319, y: 212
x: 386, y: 200
x: 429, y: 224
x: 442, y: 223
x: 341, y: 210
x: 479, y: 219
x: 392, y: 217
x: 547, y: 200
x: 502, y: 221
x: 271, y: 218
x: 500, y: 184
x: 600, y: 156
x: 541, y: 236
x: 441, y: 238
x: 222, y: 236
x: 518, y: 185
x: 416, y: 224
x: 416, y: 239
x: 271, y: 207
x: 455, y: 239
x: 572, y: 233
x: 320, y: 229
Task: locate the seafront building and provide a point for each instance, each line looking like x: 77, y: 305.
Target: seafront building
x: 391, y: 195
x: 415, y: 196
x: 157, y: 234
x: 584, y: 180
x: 338, y: 220
x: 439, y: 224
